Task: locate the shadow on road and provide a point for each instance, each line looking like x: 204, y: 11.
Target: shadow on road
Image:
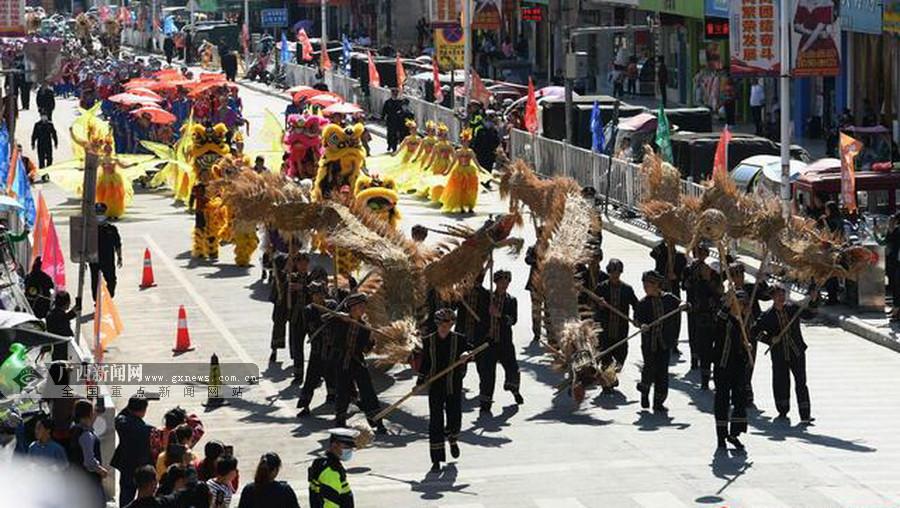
x: 229, y: 272
x: 434, y: 485
x: 652, y: 421
x: 782, y: 431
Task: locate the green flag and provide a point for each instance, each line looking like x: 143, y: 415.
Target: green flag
x: 663, y: 140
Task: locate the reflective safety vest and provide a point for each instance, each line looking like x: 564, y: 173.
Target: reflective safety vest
x: 328, y: 487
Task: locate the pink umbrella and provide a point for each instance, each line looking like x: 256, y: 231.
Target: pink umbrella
x: 342, y: 108
x: 324, y: 100
x: 298, y: 88
x: 157, y: 115
x: 131, y: 99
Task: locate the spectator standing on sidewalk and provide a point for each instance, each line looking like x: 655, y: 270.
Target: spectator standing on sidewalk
x: 265, y: 491
x: 44, y: 140
x: 46, y: 100
x: 662, y: 80
x: 84, y: 448
x: 392, y: 113
x: 134, y: 446
x: 38, y: 286
x: 757, y: 103
x: 46, y: 448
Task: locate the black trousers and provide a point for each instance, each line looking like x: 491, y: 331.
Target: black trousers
x: 357, y: 374
x: 618, y: 354
x: 503, y: 353
x: 296, y: 336
x: 25, y: 94
x: 730, y: 401
x: 537, y: 313
x: 280, y: 319
x: 45, y: 157
x: 700, y: 333
x: 444, y: 417
x: 319, y: 369
x: 756, y: 111
x: 392, y: 138
x: 655, y: 373
x: 782, y: 369
x: 749, y: 369
x: 109, y: 275
x: 127, y: 488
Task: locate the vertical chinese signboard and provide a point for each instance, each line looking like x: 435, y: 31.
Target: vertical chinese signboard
x: 815, y: 38
x: 754, y: 37
x: 487, y: 15
x: 12, y: 18
x: 449, y: 48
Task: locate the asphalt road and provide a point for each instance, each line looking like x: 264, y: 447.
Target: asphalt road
x: 546, y: 453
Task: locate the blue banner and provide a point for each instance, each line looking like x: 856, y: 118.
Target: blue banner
x: 273, y: 18
x: 863, y: 16
x: 716, y: 8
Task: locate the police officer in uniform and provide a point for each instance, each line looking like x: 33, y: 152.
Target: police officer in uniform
x: 731, y: 358
x: 620, y: 296
x: 503, y: 312
x: 439, y: 350
x: 703, y: 287
x: 328, y: 486
x: 657, y: 338
x: 788, y: 352
x: 353, y: 341
x: 321, y: 349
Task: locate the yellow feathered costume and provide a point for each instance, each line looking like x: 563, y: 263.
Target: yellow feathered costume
x: 461, y: 191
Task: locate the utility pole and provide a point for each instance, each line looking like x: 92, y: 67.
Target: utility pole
x: 467, y: 59
x: 247, y: 26
x: 785, y: 81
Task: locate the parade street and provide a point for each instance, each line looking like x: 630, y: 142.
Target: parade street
x: 546, y: 453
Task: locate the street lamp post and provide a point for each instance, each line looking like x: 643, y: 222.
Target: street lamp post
x: 247, y: 26
x: 785, y: 82
x: 467, y: 58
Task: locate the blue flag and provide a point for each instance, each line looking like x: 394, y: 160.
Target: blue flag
x: 169, y: 27
x: 285, y: 52
x: 22, y: 187
x: 4, y: 156
x: 598, y: 143
x: 345, y: 48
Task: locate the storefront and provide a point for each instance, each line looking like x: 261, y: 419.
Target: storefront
x: 680, y: 40
x: 712, y: 56
x: 891, y: 40
x: 867, y: 85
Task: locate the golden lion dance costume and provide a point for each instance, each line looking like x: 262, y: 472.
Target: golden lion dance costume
x: 461, y: 191
x: 379, y: 197
x: 341, y: 163
x: 209, y: 146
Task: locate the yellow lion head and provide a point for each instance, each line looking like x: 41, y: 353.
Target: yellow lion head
x: 378, y: 197
x: 209, y: 145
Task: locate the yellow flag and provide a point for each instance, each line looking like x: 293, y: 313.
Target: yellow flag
x: 107, y: 323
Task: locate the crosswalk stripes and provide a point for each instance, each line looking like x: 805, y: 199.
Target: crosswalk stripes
x: 754, y: 498
x: 854, y: 496
x: 568, y: 502
x: 657, y: 499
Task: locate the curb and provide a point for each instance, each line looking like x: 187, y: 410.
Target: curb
x: 851, y: 324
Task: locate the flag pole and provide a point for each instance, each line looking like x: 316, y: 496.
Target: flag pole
x: 785, y: 104
x: 98, y: 316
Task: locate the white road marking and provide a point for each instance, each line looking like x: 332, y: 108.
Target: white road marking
x: 265, y: 384
x: 657, y: 499
x: 754, y: 498
x: 854, y: 496
x: 568, y: 502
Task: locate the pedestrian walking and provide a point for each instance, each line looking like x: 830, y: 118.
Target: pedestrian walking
x: 321, y: 349
x: 658, y: 338
x: 703, y: 288
x: 441, y: 349
x: 503, y: 312
x: 328, y: 485
x: 353, y: 341
x: 620, y: 296
x: 758, y: 292
x: 169, y: 49
x: 38, y: 286
x: 780, y: 329
x: 757, y: 103
x: 730, y: 357
x: 45, y: 448
x: 265, y: 491
x: 44, y: 140
x: 109, y: 253
x: 392, y: 113
x: 133, y: 450
x: 45, y: 100
x: 662, y: 81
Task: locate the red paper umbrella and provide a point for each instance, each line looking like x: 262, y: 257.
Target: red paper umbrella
x: 157, y: 115
x: 312, y: 92
x: 342, y: 108
x: 324, y: 100
x: 136, y: 83
x: 298, y: 88
x: 145, y: 92
x: 169, y: 74
x: 130, y: 99
x: 212, y: 76
x: 205, y: 86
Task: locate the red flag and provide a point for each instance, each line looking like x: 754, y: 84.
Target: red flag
x: 850, y: 147
x: 305, y: 45
x: 41, y: 225
x: 720, y: 162
x: 436, y: 78
x: 401, y: 74
x: 326, y: 61
x: 531, y: 120
x: 480, y: 92
x: 54, y: 262
x: 374, y: 78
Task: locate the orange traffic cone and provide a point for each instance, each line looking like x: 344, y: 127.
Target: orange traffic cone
x: 147, y: 275
x: 183, y: 339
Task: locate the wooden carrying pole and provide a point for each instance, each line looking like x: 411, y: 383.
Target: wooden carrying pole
x: 601, y: 301
x: 658, y: 321
x: 419, y: 388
